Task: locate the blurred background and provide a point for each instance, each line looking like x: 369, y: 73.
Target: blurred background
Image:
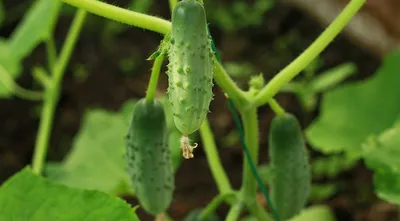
x: 109, y: 67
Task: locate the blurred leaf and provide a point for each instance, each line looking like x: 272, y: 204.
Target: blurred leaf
x: 239, y: 69
x: 195, y: 213
x: 265, y: 172
x: 233, y: 15
x: 383, y: 157
x: 332, y: 77
x: 36, y: 26
x: 97, y: 159
x: 353, y: 112
x: 323, y: 191
x: 331, y: 166
x: 11, y: 65
x: 317, y: 212
x: 26, y: 196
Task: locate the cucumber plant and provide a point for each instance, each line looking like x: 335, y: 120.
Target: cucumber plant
x: 194, y: 66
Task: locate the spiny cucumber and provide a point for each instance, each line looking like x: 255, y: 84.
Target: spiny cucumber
x: 291, y: 176
x: 149, y: 158
x: 190, y: 73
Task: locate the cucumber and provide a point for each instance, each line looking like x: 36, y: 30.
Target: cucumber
x: 190, y: 68
x: 149, y: 157
x: 291, y: 175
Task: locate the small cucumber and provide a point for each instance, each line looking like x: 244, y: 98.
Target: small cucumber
x: 291, y: 175
x: 149, y: 157
x: 190, y: 73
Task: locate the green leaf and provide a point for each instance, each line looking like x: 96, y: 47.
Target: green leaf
x: 382, y: 155
x: 355, y: 111
x: 26, y: 196
x: 36, y: 26
x: 97, y: 159
x: 332, y: 77
x: 317, y: 212
x: 9, y: 63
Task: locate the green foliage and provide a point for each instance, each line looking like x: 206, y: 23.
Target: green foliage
x: 234, y: 15
x: 26, y: 196
x: 382, y: 155
x: 97, y: 159
x: 331, y: 166
x: 36, y: 27
x: 355, y: 111
x: 317, y: 212
x: 308, y: 88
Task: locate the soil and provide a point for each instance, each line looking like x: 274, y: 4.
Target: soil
x: 107, y: 86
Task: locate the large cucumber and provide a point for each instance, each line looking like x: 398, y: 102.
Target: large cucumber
x: 291, y: 176
x: 190, y: 65
x: 149, y: 158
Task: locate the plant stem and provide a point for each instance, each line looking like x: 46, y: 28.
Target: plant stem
x: 51, y: 52
x: 276, y: 107
x: 294, y: 68
x: 162, y: 26
x: 250, y: 124
x: 52, y: 93
x: 234, y: 211
x: 213, y: 205
x: 213, y: 159
x: 115, y: 13
x: 14, y: 88
x: 223, y: 80
x: 155, y: 73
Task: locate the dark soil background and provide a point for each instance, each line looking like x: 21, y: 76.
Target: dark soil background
x: 107, y: 85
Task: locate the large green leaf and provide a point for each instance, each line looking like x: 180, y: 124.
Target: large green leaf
x: 26, y: 196
x: 353, y: 112
x: 383, y: 156
x: 97, y: 159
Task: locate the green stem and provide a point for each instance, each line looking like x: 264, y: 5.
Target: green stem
x: 51, y: 52
x: 213, y: 159
x: 258, y: 211
x: 276, y: 107
x: 234, y: 212
x: 294, y: 68
x: 250, y: 124
x: 213, y: 205
x: 14, y: 88
x: 153, y: 23
x: 115, y: 13
x: 52, y: 93
x: 228, y: 85
x: 155, y: 73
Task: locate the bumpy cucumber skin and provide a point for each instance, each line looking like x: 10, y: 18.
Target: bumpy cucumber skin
x: 291, y: 178
x: 149, y: 157
x: 190, y: 73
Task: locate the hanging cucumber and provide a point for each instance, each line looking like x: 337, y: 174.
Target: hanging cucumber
x: 190, y: 73
x: 291, y: 176
x: 149, y: 158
